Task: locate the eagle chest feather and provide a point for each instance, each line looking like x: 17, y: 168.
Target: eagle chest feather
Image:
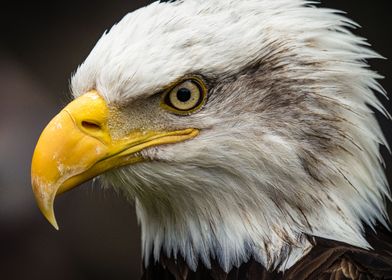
x: 328, y: 260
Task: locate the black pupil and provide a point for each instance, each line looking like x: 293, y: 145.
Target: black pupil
x: 183, y: 94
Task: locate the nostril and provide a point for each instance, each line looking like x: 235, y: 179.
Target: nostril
x: 90, y: 125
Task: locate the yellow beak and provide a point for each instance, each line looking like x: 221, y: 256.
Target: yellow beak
x: 76, y: 146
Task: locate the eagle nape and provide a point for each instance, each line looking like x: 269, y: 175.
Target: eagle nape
x: 244, y: 131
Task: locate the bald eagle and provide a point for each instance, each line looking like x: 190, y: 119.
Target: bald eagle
x: 244, y: 131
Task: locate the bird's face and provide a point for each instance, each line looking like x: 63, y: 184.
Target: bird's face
x: 252, y: 114
x: 181, y: 137
x: 167, y: 99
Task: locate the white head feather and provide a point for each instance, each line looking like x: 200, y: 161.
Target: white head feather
x: 289, y: 147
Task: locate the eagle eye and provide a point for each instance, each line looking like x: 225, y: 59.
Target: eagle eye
x: 185, y: 97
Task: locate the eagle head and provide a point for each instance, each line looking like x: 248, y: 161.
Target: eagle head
x: 240, y: 129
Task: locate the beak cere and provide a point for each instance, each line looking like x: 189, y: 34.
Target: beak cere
x: 76, y: 146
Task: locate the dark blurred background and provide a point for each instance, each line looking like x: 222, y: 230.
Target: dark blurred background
x: 41, y: 44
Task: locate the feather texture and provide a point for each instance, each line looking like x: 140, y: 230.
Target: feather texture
x: 289, y: 145
x: 327, y: 260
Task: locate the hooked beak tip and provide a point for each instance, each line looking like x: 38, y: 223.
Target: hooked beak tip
x: 45, y: 201
x: 52, y: 220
